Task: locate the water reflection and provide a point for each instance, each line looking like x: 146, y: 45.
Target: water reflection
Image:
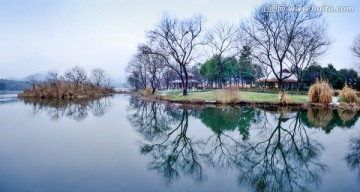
x: 165, y: 129
x: 74, y: 109
x: 353, y: 157
x: 8, y: 97
x: 285, y: 158
x: 228, y: 119
x: 327, y: 119
x: 270, y: 149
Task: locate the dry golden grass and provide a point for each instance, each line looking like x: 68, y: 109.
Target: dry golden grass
x: 283, y: 98
x: 346, y: 115
x: 228, y: 94
x: 320, y: 92
x: 147, y: 91
x: 64, y: 90
x: 348, y: 95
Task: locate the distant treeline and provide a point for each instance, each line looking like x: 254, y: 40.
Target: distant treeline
x: 336, y: 78
x: 12, y: 85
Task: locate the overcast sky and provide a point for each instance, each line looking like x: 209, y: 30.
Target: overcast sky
x: 42, y: 35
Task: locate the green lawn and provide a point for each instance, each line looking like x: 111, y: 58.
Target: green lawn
x: 243, y: 96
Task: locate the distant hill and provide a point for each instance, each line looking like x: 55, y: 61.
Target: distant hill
x: 13, y: 85
x: 37, y: 76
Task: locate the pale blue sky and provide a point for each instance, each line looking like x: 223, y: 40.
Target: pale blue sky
x: 42, y: 35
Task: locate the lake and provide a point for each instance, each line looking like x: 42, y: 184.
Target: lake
x: 121, y: 143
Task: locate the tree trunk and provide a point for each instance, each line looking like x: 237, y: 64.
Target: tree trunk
x: 280, y: 84
x: 220, y: 74
x: 185, y: 86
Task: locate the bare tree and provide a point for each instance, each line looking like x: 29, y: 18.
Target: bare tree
x: 34, y: 82
x: 223, y: 44
x: 176, y: 41
x: 272, y: 33
x: 53, y: 77
x: 76, y: 75
x: 98, y: 77
x: 356, y: 49
x: 154, y: 69
x: 147, y: 69
x: 137, y: 73
x: 308, y: 45
x: 168, y: 75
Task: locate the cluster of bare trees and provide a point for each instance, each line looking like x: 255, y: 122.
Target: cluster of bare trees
x: 286, y: 39
x: 76, y: 76
x: 172, y: 45
x: 278, y: 40
x: 356, y: 49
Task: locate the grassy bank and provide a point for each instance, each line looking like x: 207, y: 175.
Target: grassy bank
x: 217, y: 95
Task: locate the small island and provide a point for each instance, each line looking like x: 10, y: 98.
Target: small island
x: 75, y: 84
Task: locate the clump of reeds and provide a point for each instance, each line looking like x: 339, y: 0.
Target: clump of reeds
x: 147, y: 91
x: 319, y: 117
x: 348, y: 95
x: 227, y: 95
x: 283, y: 98
x: 64, y: 90
x: 346, y: 115
x: 320, y: 92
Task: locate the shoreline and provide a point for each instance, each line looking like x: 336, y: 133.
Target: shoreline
x: 202, y: 102
x: 302, y: 105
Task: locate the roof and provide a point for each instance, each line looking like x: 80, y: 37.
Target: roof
x: 272, y: 77
x: 189, y: 81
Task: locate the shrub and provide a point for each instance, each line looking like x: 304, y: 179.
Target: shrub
x: 64, y: 90
x: 147, y: 91
x: 320, y: 92
x: 348, y: 95
x: 227, y: 95
x: 283, y: 98
x: 232, y: 94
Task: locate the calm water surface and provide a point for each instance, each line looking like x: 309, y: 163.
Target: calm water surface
x: 121, y: 143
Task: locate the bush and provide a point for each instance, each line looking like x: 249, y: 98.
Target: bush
x: 348, y: 95
x: 283, y: 98
x: 227, y: 95
x: 64, y: 90
x: 147, y: 91
x: 232, y: 94
x: 320, y: 92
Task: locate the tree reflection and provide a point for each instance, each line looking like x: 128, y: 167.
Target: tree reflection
x: 74, y: 109
x: 353, y: 157
x: 280, y: 156
x: 284, y: 159
x: 220, y: 119
x: 172, y: 150
x: 152, y: 119
x: 327, y: 119
x: 220, y: 149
